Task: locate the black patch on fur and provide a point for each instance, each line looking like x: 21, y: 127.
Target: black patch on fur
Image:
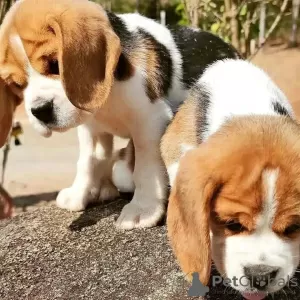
x: 124, y: 69
x: 280, y: 109
x: 199, y: 49
x: 164, y: 70
x: 202, y: 95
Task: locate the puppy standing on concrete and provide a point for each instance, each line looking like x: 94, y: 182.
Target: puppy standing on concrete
x: 233, y: 157
x: 76, y: 64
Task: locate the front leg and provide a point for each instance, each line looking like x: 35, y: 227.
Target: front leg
x: 93, y: 178
x: 147, y: 207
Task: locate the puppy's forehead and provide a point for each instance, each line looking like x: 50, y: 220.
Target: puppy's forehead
x: 269, y: 196
x: 44, y: 11
x: 37, y: 36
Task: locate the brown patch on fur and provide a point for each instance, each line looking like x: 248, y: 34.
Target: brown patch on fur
x: 12, y: 80
x: 223, y: 178
x: 182, y: 130
x: 152, y: 87
x: 127, y: 154
x: 144, y: 54
x: 287, y: 197
x: 8, y: 103
x: 149, y: 53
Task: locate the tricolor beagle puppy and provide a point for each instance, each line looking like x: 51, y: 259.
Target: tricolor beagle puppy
x: 76, y: 64
x: 233, y: 157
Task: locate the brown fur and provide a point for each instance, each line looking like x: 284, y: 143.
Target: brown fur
x: 221, y: 181
x: 182, y: 130
x: 145, y: 53
x: 8, y: 103
x: 126, y: 154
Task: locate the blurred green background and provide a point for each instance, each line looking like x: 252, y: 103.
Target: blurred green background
x: 247, y: 24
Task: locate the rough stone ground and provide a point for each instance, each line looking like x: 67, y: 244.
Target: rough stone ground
x: 47, y: 253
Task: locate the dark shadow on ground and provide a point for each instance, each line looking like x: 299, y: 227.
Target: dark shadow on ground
x: 92, y: 215
x: 33, y: 199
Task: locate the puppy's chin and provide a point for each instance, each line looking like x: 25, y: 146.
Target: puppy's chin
x: 42, y: 129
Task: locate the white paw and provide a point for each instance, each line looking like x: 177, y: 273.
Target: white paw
x: 70, y: 199
x: 135, y: 215
x: 77, y: 199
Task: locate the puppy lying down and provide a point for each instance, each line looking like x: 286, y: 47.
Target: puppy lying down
x: 235, y: 196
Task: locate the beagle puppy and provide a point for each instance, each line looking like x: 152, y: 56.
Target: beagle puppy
x: 75, y: 64
x: 233, y: 158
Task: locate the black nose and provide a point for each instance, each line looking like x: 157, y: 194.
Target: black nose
x: 260, y: 276
x: 44, y: 112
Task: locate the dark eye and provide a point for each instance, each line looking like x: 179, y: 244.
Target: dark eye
x: 292, y: 229
x: 235, y: 227
x: 17, y: 85
x: 53, y: 67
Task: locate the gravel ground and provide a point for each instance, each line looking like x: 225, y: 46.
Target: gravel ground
x: 50, y: 253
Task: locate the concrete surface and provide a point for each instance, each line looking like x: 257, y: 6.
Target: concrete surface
x: 54, y: 254
x: 38, y: 169
x: 50, y: 254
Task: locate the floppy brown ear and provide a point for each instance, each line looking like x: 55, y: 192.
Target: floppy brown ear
x: 188, y: 217
x: 7, y: 108
x: 88, y: 55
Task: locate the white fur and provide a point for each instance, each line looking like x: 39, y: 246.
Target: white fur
x: 269, y: 177
x: 92, y: 182
x: 122, y: 177
x: 172, y: 172
x: 237, y: 87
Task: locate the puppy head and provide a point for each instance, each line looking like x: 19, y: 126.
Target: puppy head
x: 62, y: 60
x: 243, y: 186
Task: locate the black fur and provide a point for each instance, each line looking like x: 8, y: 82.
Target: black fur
x: 202, y: 95
x: 199, y: 49
x: 280, y: 109
x: 165, y: 66
x: 124, y: 68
